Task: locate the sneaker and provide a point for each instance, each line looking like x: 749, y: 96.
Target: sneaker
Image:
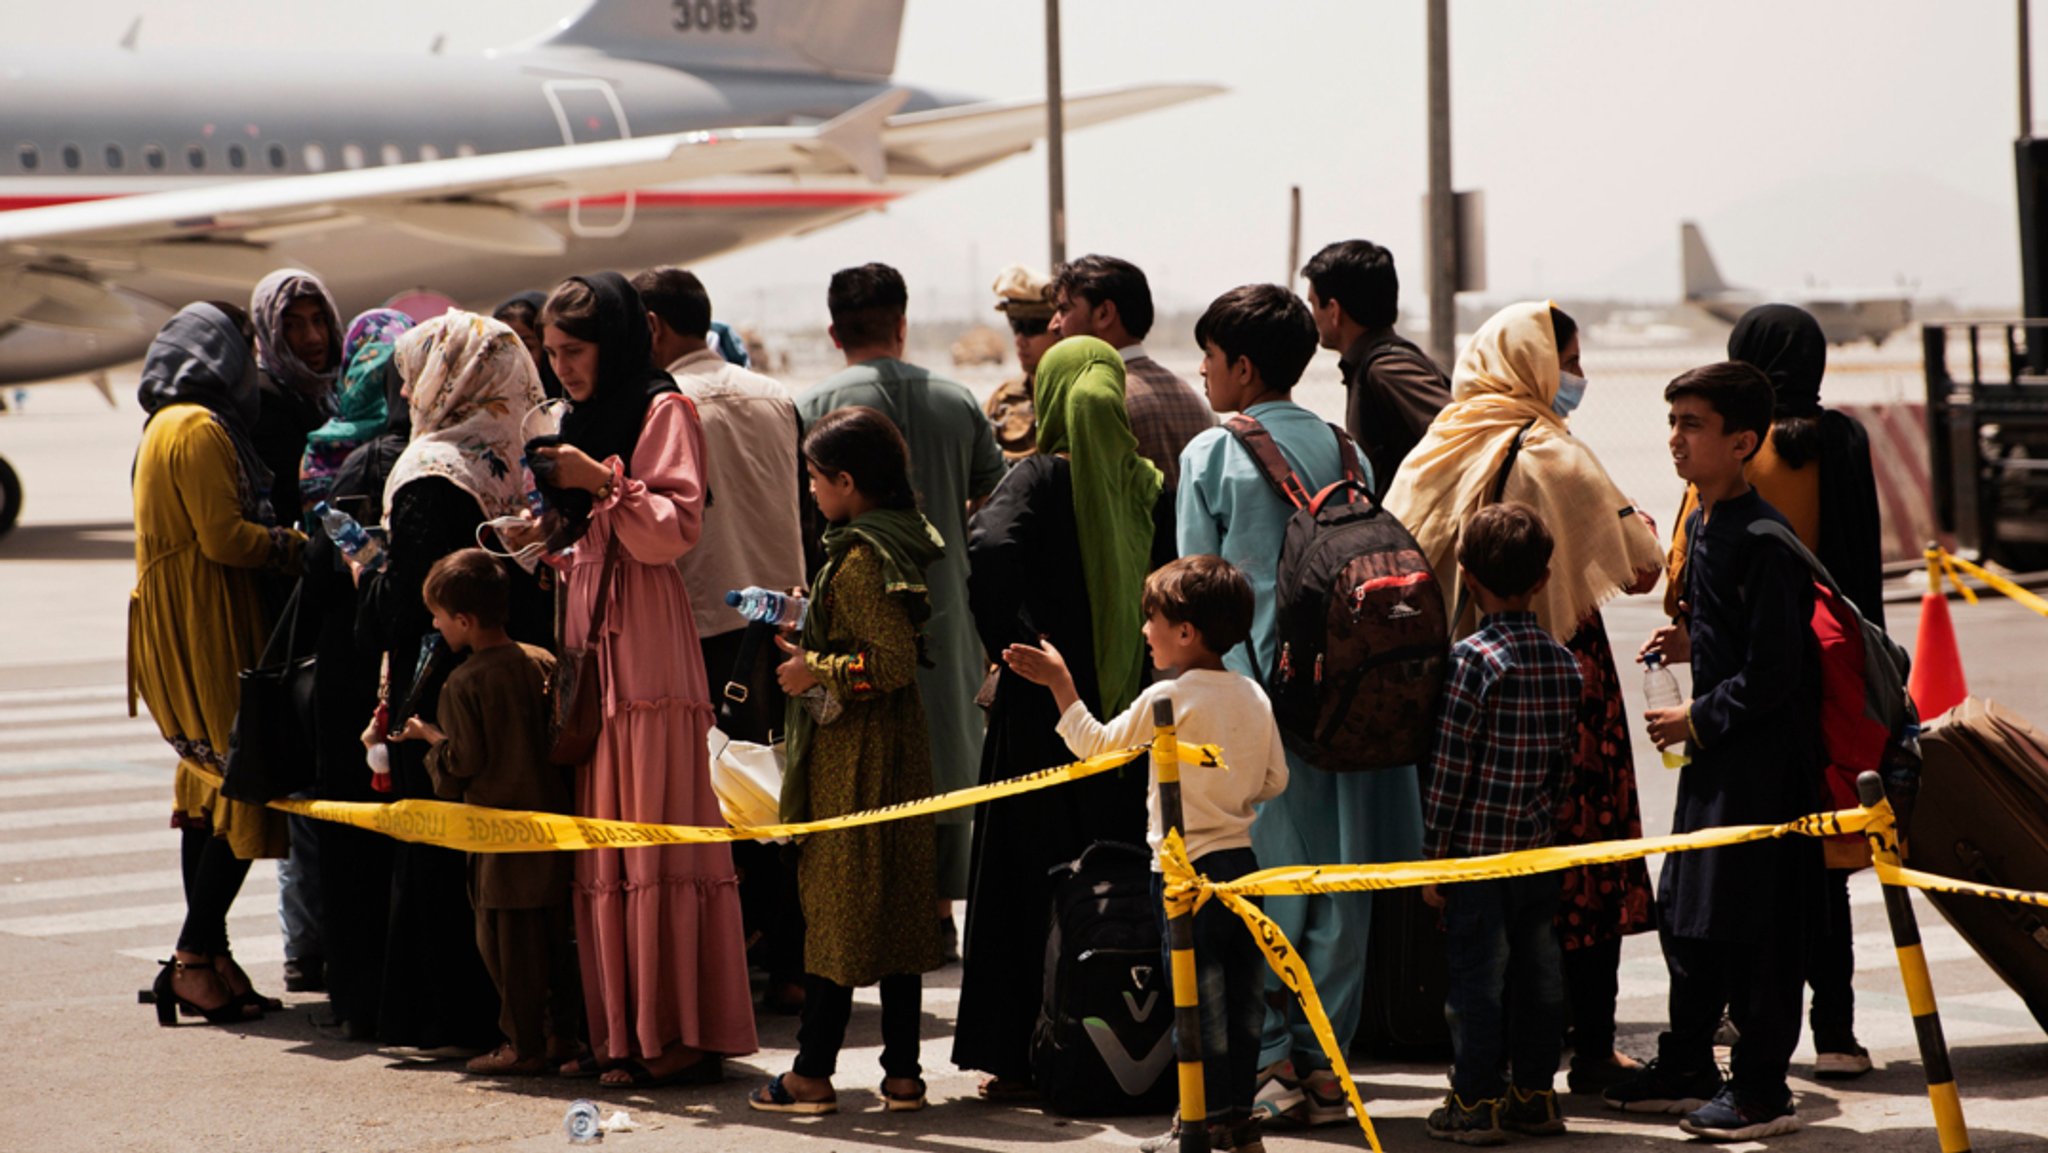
x: 1594, y: 1077
x: 1221, y: 1140
x: 1279, y: 1097
x: 1475, y: 1124
x: 1533, y: 1112
x: 1661, y: 1089
x: 305, y: 976
x: 1841, y: 1062
x: 1323, y: 1099
x: 1730, y: 1118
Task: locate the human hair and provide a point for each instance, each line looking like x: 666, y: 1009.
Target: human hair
x: 867, y: 301
x: 1359, y: 275
x: 860, y: 442
x: 470, y: 581
x: 1207, y: 592
x: 1564, y: 326
x: 1796, y: 439
x: 1506, y: 548
x: 1100, y: 279
x: 517, y: 311
x: 1740, y: 392
x: 572, y: 307
x: 677, y: 297
x: 1266, y: 324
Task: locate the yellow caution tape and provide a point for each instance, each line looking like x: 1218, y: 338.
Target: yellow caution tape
x: 476, y: 829
x: 1935, y: 883
x: 1954, y: 567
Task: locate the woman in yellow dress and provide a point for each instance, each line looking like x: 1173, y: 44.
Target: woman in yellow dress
x: 204, y: 531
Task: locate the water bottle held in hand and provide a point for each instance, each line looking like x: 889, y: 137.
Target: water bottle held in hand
x: 1660, y: 689
x: 768, y: 607
x: 348, y: 536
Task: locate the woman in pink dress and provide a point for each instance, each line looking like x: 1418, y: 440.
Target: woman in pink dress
x: 658, y: 929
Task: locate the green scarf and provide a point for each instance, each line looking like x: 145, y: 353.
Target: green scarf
x: 906, y: 544
x: 1080, y: 403
x: 359, y: 412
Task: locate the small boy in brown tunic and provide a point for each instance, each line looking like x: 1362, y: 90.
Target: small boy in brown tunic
x: 491, y: 749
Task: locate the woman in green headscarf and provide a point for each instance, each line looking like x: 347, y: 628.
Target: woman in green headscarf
x: 1059, y: 552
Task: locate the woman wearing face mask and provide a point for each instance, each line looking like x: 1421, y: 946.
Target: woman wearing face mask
x: 1518, y: 381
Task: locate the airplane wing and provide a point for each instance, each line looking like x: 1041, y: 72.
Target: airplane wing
x: 58, y: 264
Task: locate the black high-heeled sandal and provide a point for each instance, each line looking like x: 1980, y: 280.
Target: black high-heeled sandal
x: 232, y: 973
x: 169, y: 1002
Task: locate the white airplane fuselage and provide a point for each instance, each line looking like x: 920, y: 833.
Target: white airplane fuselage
x: 1843, y: 320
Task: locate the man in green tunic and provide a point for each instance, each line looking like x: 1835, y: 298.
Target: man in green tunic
x: 954, y: 462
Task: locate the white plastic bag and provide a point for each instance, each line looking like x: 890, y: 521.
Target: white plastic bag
x: 747, y: 778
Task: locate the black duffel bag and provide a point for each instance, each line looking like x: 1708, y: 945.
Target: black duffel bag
x: 270, y: 751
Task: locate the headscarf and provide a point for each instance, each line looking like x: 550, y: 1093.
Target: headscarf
x: 361, y: 410
x: 472, y: 383
x: 905, y: 545
x: 1787, y: 343
x: 275, y: 293
x: 1506, y: 381
x: 1080, y: 405
x: 201, y: 357
x: 534, y: 300
x: 608, y: 423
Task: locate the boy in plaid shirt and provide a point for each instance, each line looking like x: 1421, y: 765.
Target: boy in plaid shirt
x: 1498, y: 767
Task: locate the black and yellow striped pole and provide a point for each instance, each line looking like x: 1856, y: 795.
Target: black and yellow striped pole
x: 1898, y: 906
x: 1180, y: 936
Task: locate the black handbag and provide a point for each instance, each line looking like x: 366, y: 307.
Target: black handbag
x: 270, y: 750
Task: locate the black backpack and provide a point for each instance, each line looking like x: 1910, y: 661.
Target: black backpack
x: 1364, y: 643
x: 1103, y: 1044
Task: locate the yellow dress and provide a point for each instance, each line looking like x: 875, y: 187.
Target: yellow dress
x: 195, y: 619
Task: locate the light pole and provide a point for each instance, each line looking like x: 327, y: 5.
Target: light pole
x: 1443, y: 254
x: 1055, y: 136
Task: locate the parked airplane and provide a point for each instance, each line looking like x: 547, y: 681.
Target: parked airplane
x: 1845, y: 316
x: 638, y: 132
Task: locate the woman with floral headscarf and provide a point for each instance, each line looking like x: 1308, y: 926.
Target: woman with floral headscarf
x: 469, y: 384
x: 203, y: 531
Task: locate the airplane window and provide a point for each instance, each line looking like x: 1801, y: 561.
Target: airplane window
x: 351, y: 155
x: 238, y: 156
x: 30, y: 157
x: 195, y: 157
x: 465, y: 150
x: 72, y: 156
x: 392, y: 154
x: 153, y: 156
x: 113, y: 156
x: 316, y: 158
x: 429, y: 152
x: 275, y: 154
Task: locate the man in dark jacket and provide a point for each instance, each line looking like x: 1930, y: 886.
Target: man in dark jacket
x: 1394, y: 388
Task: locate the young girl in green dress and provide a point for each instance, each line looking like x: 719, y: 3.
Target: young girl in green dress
x: 867, y: 892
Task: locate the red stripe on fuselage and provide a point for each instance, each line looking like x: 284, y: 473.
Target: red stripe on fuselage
x: 731, y: 198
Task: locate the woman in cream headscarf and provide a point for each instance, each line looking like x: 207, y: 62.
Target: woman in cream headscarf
x: 1519, y: 378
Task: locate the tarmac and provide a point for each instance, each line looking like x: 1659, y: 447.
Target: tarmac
x: 89, y: 897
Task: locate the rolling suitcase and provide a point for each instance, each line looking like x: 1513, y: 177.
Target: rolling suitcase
x: 1982, y: 815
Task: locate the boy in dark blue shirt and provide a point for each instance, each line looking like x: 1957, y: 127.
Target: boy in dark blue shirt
x: 1735, y: 921
x: 1500, y: 763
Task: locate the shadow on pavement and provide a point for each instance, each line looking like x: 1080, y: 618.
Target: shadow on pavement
x: 103, y: 540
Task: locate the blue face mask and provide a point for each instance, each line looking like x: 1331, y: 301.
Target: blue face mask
x: 1571, y: 389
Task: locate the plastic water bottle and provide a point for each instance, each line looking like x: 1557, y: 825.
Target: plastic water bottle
x: 535, y: 500
x: 349, y: 537
x: 768, y: 607
x: 1660, y: 689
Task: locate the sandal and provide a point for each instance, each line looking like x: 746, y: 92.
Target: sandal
x: 1001, y: 1089
x: 903, y: 1102
x: 232, y: 975
x: 775, y: 1097
x: 505, y: 1061
x: 584, y: 1064
x: 707, y: 1069
x: 169, y: 1002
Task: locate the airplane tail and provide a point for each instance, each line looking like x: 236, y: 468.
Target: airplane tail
x: 843, y: 38
x: 1702, y: 279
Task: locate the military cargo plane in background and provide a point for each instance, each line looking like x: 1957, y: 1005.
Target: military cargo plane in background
x: 1845, y: 316
x: 638, y: 132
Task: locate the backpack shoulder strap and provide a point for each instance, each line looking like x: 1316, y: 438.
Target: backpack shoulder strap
x: 1499, y: 487
x: 1259, y: 443
x: 1347, y: 451
x: 1772, y: 530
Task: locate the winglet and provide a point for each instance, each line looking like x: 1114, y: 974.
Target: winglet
x: 856, y: 134
x: 133, y: 36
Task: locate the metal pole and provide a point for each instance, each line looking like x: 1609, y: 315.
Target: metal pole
x: 1180, y: 937
x: 1443, y: 256
x: 1293, y: 236
x: 1055, y: 136
x: 1941, y: 1079
x: 2026, y: 74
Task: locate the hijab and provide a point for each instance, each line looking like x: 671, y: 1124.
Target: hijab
x: 275, y: 293
x: 1505, y: 383
x: 534, y: 301
x: 1080, y: 404
x: 201, y: 357
x: 472, y: 383
x: 608, y: 423
x: 1787, y: 343
x: 362, y: 408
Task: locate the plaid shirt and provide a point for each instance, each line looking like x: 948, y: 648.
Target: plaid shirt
x: 1502, y: 756
x: 1165, y: 412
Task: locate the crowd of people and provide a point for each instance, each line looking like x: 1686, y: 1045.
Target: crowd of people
x: 574, y: 483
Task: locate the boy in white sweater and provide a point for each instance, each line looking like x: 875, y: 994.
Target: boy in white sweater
x: 1196, y: 609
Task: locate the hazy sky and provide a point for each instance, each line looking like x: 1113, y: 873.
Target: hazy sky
x: 1848, y: 142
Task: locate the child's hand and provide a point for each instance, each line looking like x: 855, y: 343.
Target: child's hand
x: 794, y: 674
x: 1668, y: 727
x: 1041, y: 664
x: 373, y: 733
x: 1672, y: 644
x: 418, y: 730
x: 1432, y: 897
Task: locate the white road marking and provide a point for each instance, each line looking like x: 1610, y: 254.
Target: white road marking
x: 160, y: 840
x: 86, y: 815
x: 66, y: 784
x: 154, y: 752
x: 50, y: 734
x: 249, y: 904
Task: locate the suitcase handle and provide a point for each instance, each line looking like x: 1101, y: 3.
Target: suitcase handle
x: 1979, y: 868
